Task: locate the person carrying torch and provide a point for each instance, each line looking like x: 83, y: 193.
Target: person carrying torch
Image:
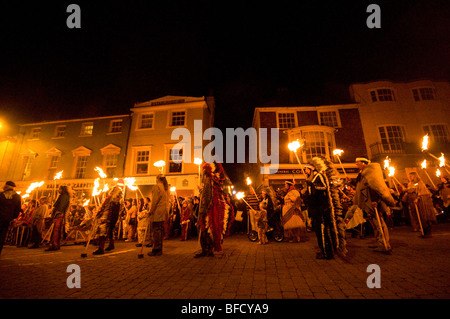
x: 372, y: 195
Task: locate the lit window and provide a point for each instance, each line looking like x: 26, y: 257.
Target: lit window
x: 60, y: 131
x: 437, y: 132
x: 142, y: 162
x: 318, y: 141
x: 178, y: 118
x: 115, y: 126
x: 392, y: 138
x: 87, y: 129
x: 146, y: 121
x: 80, y: 168
x: 35, y: 132
x: 328, y: 118
x: 423, y: 94
x: 382, y: 95
x: 175, y: 160
x: 286, y: 120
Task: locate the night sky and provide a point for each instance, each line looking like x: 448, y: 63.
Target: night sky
x: 242, y: 51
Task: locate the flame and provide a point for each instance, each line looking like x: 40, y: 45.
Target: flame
x: 58, y: 175
x: 337, y: 152
x: 391, y: 171
x: 387, y: 162
x: 129, y: 182
x: 25, y: 196
x: 105, y: 188
x: 173, y: 189
x: 438, y: 173
x: 100, y: 172
x: 197, y: 161
x: 249, y: 181
x: 159, y: 163
x: 86, y: 202
x: 95, y: 189
x: 293, y: 146
x: 240, y: 195
x: 33, y: 186
x: 442, y: 160
x: 425, y: 143
x: 424, y: 164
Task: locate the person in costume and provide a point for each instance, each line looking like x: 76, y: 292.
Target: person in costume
x: 371, y: 196
x: 215, y: 215
x: 419, y: 201
x: 324, y: 207
x: 58, y: 214
x: 185, y: 219
x: 291, y: 220
x: 10, y: 208
x: 159, y: 212
x: 37, y: 222
x: 107, y: 218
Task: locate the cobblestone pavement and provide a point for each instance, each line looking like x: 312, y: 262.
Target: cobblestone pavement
x: 418, y: 268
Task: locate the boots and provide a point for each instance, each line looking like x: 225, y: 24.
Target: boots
x: 111, y: 245
x: 101, y: 246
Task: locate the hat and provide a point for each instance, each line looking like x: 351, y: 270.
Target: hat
x: 10, y: 183
x: 120, y: 183
x: 362, y: 159
x: 289, y: 182
x: 311, y: 167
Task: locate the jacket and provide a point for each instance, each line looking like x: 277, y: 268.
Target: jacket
x: 159, y: 210
x: 10, y: 205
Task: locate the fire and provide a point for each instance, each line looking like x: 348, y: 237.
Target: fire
x: 58, y: 175
x: 173, y: 189
x: 95, y: 189
x: 424, y: 164
x: 387, y: 162
x: 441, y: 160
x: 240, y: 195
x: 438, y: 172
x: 425, y: 143
x: 129, y: 182
x: 33, y: 186
x: 249, y: 181
x: 293, y: 146
x: 197, y: 161
x: 391, y: 171
x: 86, y: 202
x: 337, y: 152
x: 100, y: 172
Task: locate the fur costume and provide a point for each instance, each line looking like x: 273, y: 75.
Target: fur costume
x: 325, y: 207
x: 215, y: 214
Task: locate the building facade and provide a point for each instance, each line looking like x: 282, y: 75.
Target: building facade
x: 322, y: 129
x: 396, y: 116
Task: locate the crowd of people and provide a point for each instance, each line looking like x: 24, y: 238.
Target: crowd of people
x: 325, y: 204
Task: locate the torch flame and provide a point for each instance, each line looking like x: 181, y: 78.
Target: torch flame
x: 338, y: 152
x: 100, y: 172
x: 249, y: 181
x: 425, y: 143
x: 438, y: 173
x: 58, y: 175
x: 293, y: 146
x: 240, y: 195
x: 442, y: 160
x: 197, y: 161
x: 159, y: 163
x: 86, y: 202
x: 391, y: 171
x: 387, y: 162
x: 95, y: 189
x: 173, y: 189
x: 129, y: 182
x: 33, y: 186
x: 424, y: 164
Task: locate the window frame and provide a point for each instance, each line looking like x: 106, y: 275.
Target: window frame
x: 336, y: 112
x: 83, y: 131
x: 394, y: 94
x: 139, y: 122
x: 287, y: 112
x: 170, y: 118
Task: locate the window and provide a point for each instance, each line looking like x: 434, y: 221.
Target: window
x: 87, y: 129
x: 27, y: 161
x: 142, y: 161
x: 392, y: 138
x: 286, y: 120
x: 35, y: 132
x: 437, y: 132
x: 175, y: 160
x: 146, y: 121
x: 329, y: 118
x: 318, y: 141
x: 178, y: 118
x: 115, y: 126
x: 80, y: 168
x: 382, y: 95
x: 54, y: 160
x: 60, y: 131
x: 424, y: 94
x: 111, y: 164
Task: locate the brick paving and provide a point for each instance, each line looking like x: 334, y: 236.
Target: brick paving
x: 417, y: 269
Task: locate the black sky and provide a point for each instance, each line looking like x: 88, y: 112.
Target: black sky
x: 130, y: 51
